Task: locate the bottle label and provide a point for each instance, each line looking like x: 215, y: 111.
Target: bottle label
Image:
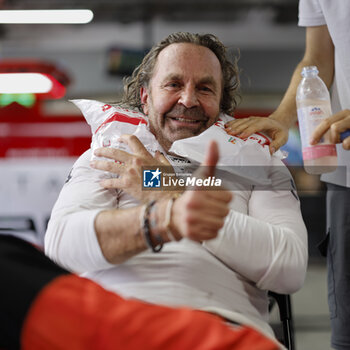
x: 309, y: 118
x: 319, y: 151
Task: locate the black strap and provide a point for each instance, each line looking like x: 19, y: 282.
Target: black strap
x: 155, y: 246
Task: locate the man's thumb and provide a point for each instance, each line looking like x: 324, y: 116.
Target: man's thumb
x: 211, y: 159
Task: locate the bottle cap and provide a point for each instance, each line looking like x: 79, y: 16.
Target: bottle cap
x: 309, y: 69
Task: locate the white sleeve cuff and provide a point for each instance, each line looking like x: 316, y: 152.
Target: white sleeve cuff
x: 77, y: 249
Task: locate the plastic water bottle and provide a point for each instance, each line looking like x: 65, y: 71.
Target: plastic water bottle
x: 313, y: 105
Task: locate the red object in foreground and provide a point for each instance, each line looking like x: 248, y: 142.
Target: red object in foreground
x: 75, y: 313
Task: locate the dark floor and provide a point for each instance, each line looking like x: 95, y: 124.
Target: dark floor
x: 311, y: 320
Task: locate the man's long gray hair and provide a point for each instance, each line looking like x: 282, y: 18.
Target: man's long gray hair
x: 143, y: 73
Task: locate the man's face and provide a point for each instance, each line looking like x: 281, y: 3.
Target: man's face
x: 184, y: 94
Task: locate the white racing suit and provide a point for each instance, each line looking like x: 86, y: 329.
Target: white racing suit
x: 262, y: 246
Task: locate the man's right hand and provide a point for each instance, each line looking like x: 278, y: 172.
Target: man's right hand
x: 199, y: 214
x: 245, y: 127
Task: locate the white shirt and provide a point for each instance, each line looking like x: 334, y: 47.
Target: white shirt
x: 262, y: 246
x: 334, y: 14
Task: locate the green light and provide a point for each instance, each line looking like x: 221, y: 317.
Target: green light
x: 26, y: 100
x: 5, y: 99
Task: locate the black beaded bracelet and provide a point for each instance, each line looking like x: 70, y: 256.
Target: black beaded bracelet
x: 147, y: 231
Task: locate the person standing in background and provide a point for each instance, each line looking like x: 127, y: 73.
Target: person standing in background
x: 327, y: 47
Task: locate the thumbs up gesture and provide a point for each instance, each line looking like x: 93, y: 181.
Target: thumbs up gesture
x: 199, y: 214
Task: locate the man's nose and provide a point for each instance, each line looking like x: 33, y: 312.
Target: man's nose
x: 189, y: 97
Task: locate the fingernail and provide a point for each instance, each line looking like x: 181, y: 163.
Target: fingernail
x: 273, y: 149
x: 92, y: 164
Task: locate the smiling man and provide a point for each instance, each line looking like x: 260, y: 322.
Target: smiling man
x: 212, y: 250
x: 184, y: 94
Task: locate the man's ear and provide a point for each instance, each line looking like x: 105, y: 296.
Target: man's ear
x: 144, y: 99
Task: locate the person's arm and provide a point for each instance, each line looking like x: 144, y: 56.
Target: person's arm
x: 268, y: 245
x: 196, y: 215
x: 88, y: 232
x: 90, y: 225
x: 319, y: 51
x: 120, y: 232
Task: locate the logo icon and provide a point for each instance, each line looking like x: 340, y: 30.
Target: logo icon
x: 152, y: 178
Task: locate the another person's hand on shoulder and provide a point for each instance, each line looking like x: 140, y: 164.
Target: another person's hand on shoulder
x: 199, y: 214
x: 245, y: 127
x: 339, y: 129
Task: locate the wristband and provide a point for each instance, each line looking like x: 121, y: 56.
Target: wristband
x: 147, y: 231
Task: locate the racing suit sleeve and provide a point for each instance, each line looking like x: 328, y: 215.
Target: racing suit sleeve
x: 70, y: 238
x: 269, y: 245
